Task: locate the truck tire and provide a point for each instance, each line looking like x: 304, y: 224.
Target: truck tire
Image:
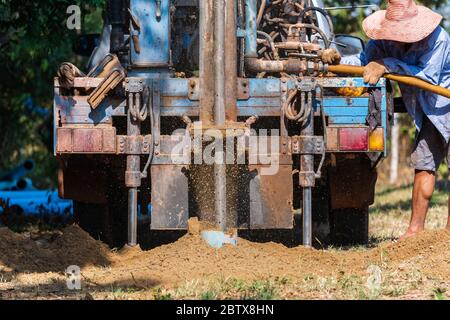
x: 104, y: 222
x: 93, y: 218
x: 349, y: 226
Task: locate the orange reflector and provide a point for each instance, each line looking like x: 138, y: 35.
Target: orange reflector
x: 376, y: 140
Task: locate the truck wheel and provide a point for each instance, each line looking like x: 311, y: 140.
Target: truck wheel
x: 349, y: 226
x: 105, y: 222
x: 94, y: 219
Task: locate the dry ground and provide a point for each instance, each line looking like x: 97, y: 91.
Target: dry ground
x: 32, y: 264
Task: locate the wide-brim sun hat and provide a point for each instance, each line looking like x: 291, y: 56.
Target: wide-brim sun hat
x: 402, y: 21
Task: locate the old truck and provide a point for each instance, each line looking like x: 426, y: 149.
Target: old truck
x: 221, y: 110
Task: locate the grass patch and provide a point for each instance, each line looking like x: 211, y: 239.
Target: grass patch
x: 391, y: 212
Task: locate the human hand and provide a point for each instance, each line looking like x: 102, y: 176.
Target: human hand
x: 374, y: 71
x: 331, y: 56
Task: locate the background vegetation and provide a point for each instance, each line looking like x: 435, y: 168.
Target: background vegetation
x: 34, y: 40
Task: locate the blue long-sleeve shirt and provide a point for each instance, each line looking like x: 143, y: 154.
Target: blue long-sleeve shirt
x: 428, y: 59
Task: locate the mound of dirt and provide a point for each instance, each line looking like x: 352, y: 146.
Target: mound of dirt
x: 426, y: 243
x: 76, y: 247
x: 191, y: 258
x: 430, y: 249
x: 73, y: 246
x: 19, y: 253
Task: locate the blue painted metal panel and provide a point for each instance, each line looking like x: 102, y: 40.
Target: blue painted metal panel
x: 360, y: 120
x: 174, y: 87
x: 265, y: 87
x: 348, y: 112
x: 181, y: 110
x: 79, y: 112
x: 155, y: 33
x: 181, y: 102
x: 345, y: 102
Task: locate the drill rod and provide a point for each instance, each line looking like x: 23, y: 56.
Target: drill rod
x: 219, y: 112
x: 307, y: 178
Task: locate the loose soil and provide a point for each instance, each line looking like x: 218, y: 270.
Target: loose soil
x: 32, y: 265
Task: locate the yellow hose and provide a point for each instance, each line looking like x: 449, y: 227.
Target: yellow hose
x: 408, y: 80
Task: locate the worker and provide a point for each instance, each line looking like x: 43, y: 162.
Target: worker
x: 407, y: 39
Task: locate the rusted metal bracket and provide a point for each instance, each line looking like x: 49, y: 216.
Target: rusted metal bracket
x: 134, y: 85
x: 307, y: 179
x: 86, y: 140
x: 307, y: 145
x: 112, y: 73
x: 306, y: 84
x: 133, y: 145
x: 108, y: 84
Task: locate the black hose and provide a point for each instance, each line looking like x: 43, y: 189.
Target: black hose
x: 322, y: 11
x: 317, y: 29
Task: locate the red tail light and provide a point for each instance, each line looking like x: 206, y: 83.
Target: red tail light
x: 353, y: 139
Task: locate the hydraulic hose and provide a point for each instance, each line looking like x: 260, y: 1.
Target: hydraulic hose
x: 407, y: 80
x: 320, y: 10
x: 261, y: 13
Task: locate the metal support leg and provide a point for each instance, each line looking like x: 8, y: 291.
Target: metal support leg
x: 307, y: 217
x: 307, y: 175
x: 133, y: 171
x: 132, y: 216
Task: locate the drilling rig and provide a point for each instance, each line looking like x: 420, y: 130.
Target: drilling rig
x: 224, y: 111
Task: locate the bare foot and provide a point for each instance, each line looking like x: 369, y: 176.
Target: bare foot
x: 408, y: 234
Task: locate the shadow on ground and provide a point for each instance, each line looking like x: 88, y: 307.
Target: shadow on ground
x: 58, y: 289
